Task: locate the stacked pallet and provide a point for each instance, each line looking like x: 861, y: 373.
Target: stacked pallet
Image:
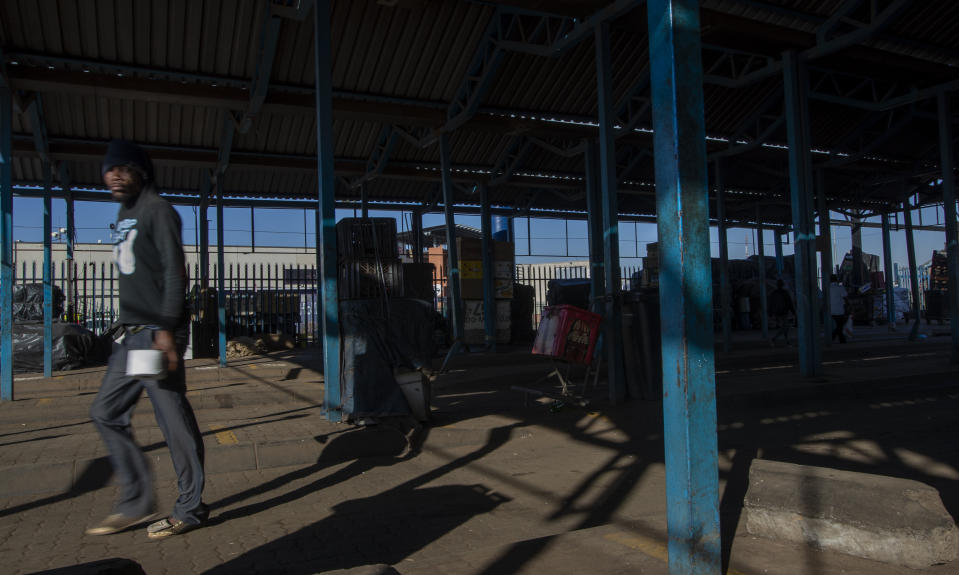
x: 367, y: 258
x: 470, y: 252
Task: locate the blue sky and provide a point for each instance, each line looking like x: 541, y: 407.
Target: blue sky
x: 544, y: 242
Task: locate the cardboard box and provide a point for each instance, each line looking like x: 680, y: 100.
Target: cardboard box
x: 471, y: 269
x: 471, y: 289
x: 503, y: 269
x: 469, y: 249
x: 503, y: 251
x: 475, y: 318
x: 503, y: 289
x: 475, y: 328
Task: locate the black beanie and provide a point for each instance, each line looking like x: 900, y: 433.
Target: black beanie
x: 127, y: 153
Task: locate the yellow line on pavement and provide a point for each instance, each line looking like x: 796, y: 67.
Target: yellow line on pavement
x: 649, y: 546
x: 645, y: 545
x: 224, y: 437
x: 44, y: 400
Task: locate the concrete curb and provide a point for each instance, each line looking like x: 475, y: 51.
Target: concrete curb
x: 887, y: 519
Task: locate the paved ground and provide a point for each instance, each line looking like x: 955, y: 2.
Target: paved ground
x: 492, y: 487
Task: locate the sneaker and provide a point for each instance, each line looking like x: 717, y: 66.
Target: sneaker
x: 168, y: 527
x: 116, y: 522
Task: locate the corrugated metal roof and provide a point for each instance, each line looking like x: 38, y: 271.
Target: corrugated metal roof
x: 400, y: 64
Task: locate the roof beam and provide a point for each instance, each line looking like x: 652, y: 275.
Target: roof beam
x: 513, y: 155
x: 87, y: 150
x: 762, y: 123
x: 379, y: 157
x: 559, y: 149
x: 724, y: 20
x: 520, y: 31
x: 39, y: 127
x: 269, y: 36
x: 861, y: 31
x: 866, y: 141
x: 227, y: 130
x: 748, y: 72
x: 346, y: 105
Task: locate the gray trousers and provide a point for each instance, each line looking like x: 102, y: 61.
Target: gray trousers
x: 111, y: 413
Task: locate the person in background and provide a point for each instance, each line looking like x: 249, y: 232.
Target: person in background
x: 148, y: 251
x: 780, y: 307
x: 837, y: 307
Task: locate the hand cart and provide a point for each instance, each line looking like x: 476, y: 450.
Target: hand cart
x: 567, y: 335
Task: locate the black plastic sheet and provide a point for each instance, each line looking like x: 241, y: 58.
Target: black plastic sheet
x: 73, y: 347
x: 28, y: 302
x: 378, y: 337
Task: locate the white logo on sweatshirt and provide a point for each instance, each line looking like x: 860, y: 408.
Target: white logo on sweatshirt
x: 123, y: 237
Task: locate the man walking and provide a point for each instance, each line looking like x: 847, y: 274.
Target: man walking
x: 780, y: 306
x: 148, y: 252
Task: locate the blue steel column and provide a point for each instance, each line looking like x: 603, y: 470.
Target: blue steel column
x: 204, y: 246
x: 489, y: 303
x: 417, y: 217
x: 47, y: 269
x: 594, y: 215
x: 685, y: 287
x: 825, y: 256
x: 800, y: 184
x: 453, y: 261
x: 723, y: 233
x: 913, y: 271
x: 887, y: 267
x: 761, y: 263
x: 778, y: 241
x: 71, y: 270
x: 608, y: 184
x: 326, y: 233
x: 947, y: 162
x: 6, y: 243
x: 221, y: 271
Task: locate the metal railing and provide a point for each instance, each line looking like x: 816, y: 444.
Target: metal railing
x: 259, y: 298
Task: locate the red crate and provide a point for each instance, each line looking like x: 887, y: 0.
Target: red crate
x: 567, y: 332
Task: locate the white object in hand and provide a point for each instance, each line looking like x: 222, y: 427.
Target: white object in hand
x: 146, y: 364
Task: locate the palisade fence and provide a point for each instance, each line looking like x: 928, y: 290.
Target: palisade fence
x: 260, y: 298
